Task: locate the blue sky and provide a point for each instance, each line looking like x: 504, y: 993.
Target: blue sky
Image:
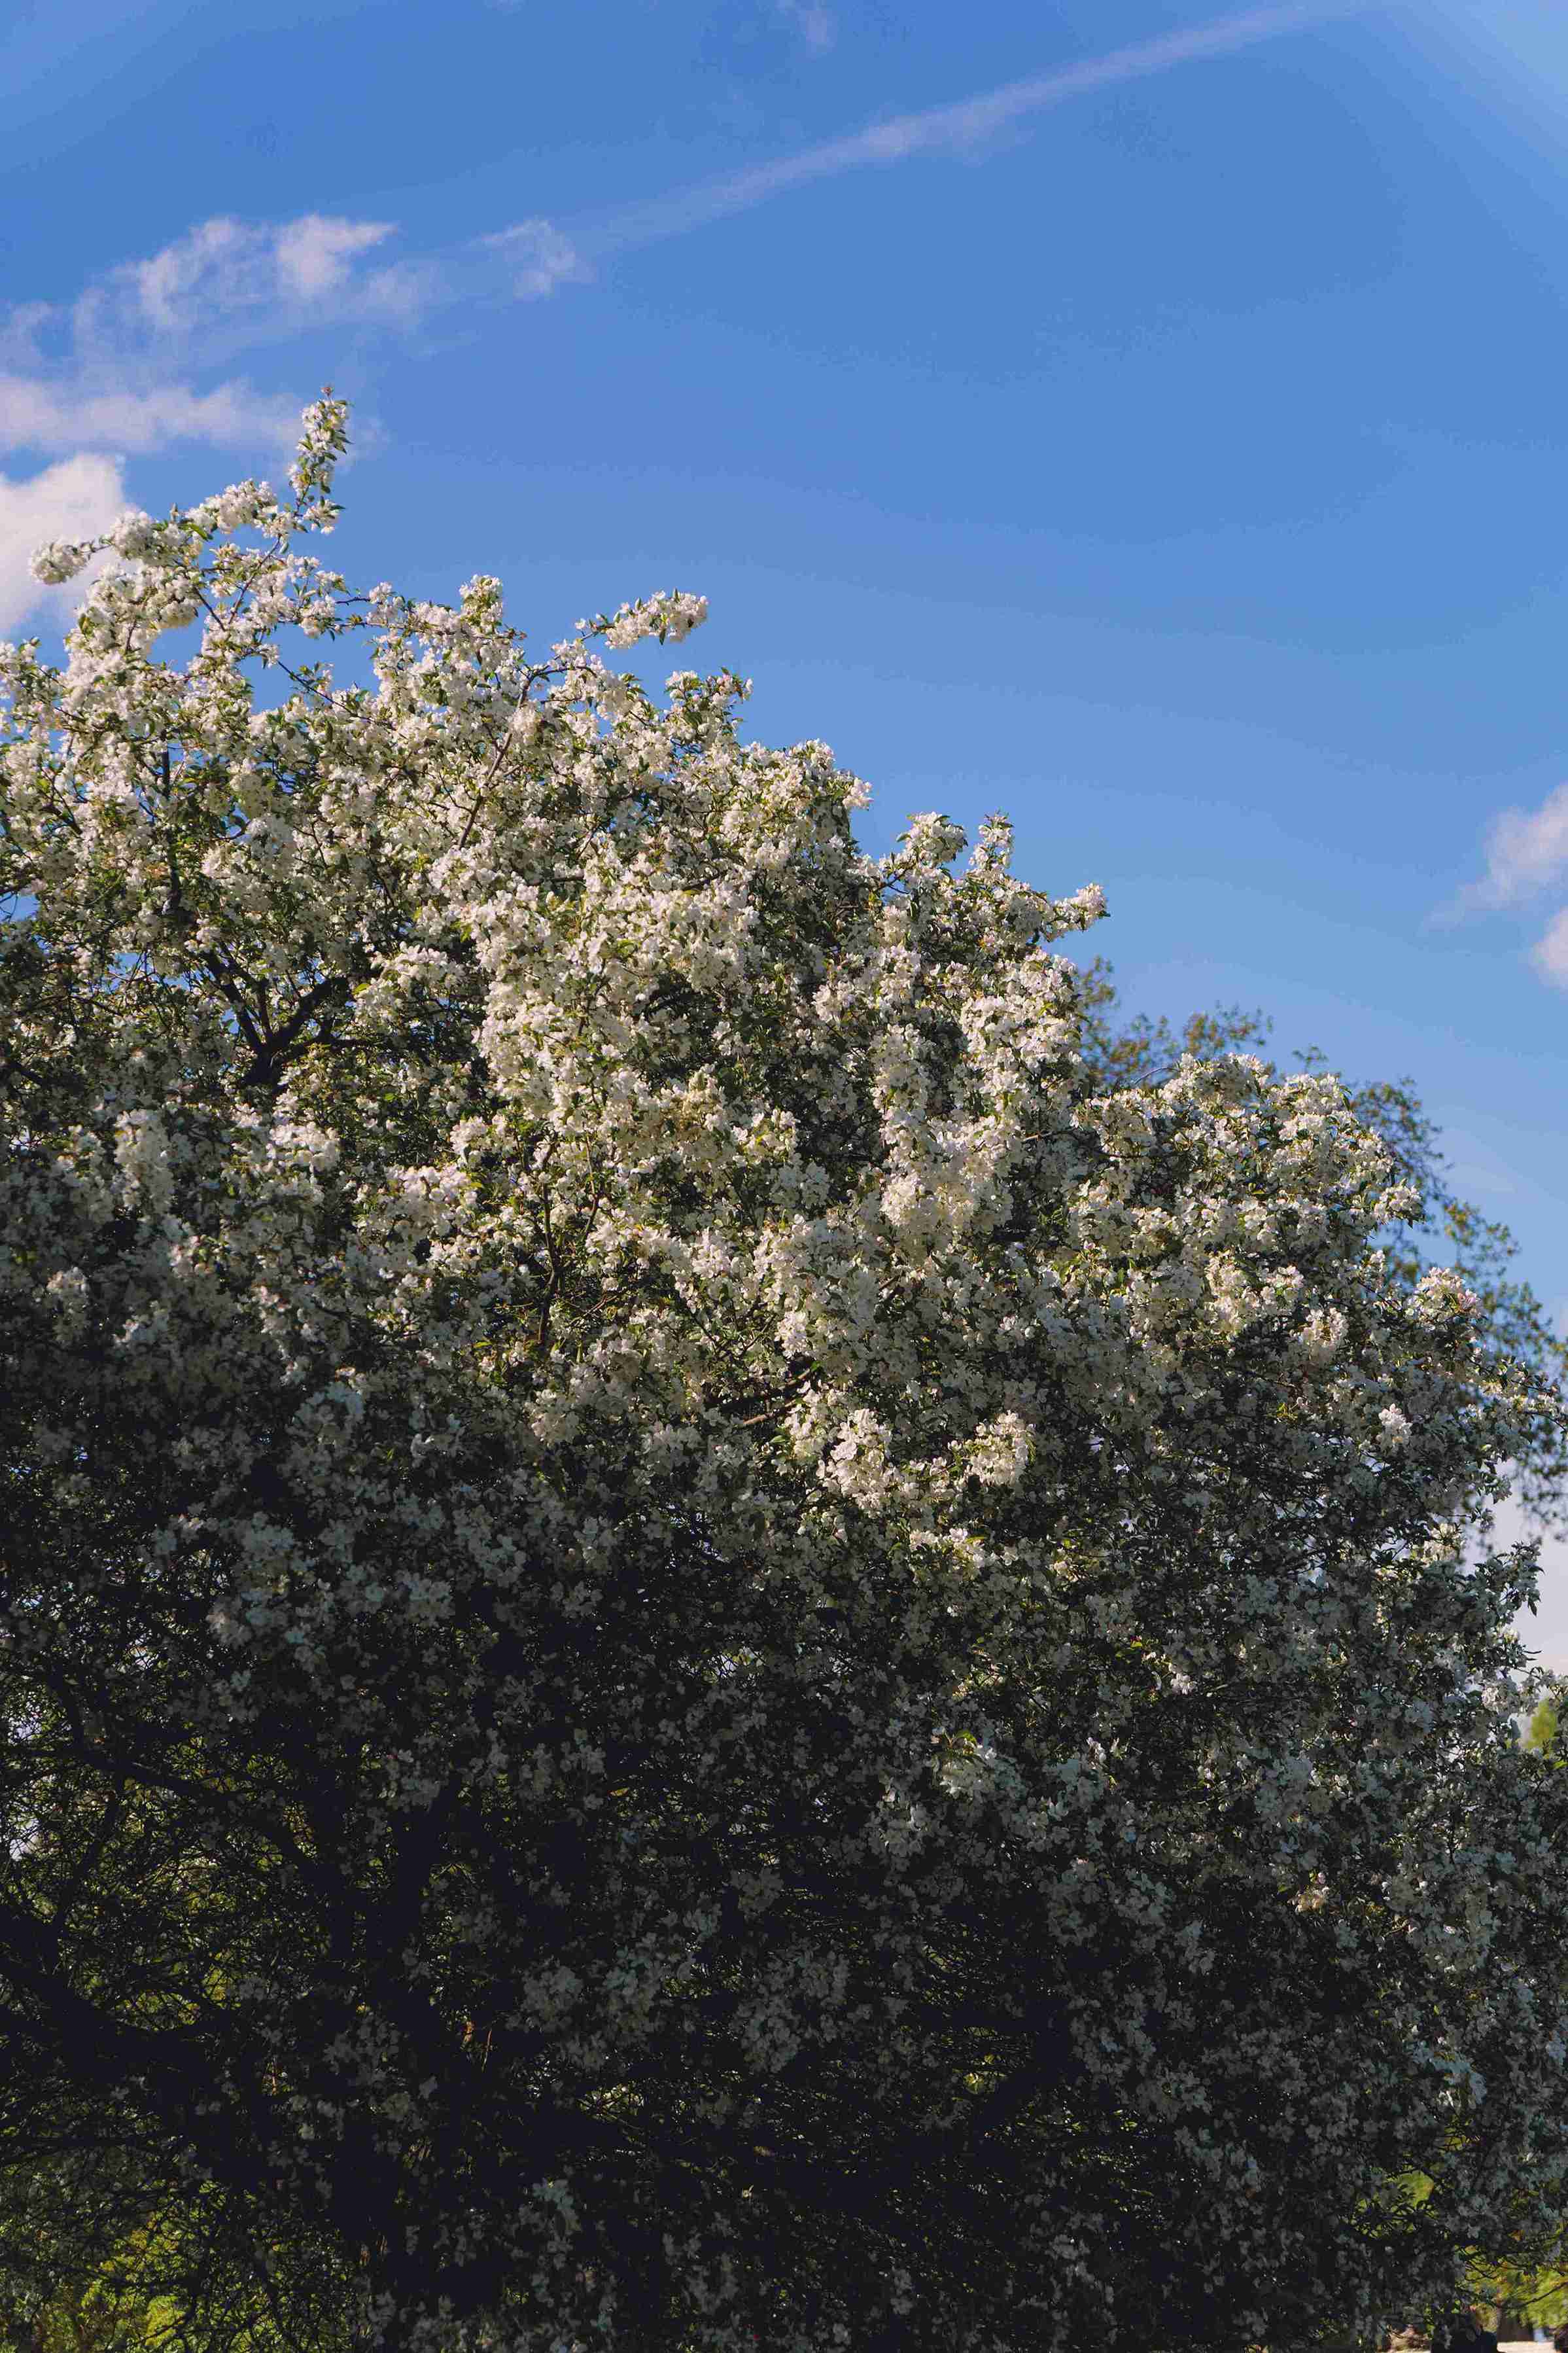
x: 1145, y: 421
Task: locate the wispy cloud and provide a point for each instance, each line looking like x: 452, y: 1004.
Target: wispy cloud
x: 248, y: 283
x: 127, y: 368
x: 961, y: 128
x: 1526, y: 854
x: 116, y: 373
x: 113, y: 368
x: 537, y: 257
x: 240, y: 269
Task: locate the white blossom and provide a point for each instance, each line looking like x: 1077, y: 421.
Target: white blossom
x: 59, y: 560
x: 814, y: 1668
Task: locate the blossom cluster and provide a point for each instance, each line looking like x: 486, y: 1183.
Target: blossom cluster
x: 823, y: 1678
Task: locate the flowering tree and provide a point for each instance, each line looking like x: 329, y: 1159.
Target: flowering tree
x: 702, y: 1643
x: 1436, y: 1223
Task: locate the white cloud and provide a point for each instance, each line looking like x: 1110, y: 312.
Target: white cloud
x: 314, y: 253
x: 1549, y: 954
x: 76, y: 499
x: 38, y: 413
x: 1526, y: 851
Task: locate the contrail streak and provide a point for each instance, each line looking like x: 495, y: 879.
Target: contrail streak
x: 958, y: 125
x: 226, y: 285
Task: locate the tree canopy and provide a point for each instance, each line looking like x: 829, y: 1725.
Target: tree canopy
x: 716, y: 1628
